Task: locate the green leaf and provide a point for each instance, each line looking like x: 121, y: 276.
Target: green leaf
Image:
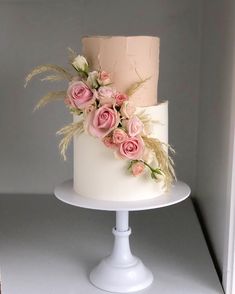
x: 76, y: 111
x: 153, y: 176
x: 158, y: 171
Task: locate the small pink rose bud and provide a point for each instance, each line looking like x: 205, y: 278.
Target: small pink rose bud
x: 103, y: 78
x: 120, y: 98
x: 137, y: 168
x: 108, y: 142
x: 119, y: 136
x: 106, y: 95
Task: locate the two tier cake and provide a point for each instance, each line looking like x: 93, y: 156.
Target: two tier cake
x: 119, y: 128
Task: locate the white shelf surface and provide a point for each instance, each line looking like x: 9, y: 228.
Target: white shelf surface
x: 50, y: 247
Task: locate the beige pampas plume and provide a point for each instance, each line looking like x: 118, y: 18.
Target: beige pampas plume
x: 68, y: 132
x: 60, y: 73
x: 71, y: 55
x: 136, y: 86
x: 49, y: 97
x: 165, y: 162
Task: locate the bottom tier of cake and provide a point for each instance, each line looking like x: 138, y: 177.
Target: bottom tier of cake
x: 99, y: 175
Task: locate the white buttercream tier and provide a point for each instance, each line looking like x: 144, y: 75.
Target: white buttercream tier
x: 99, y: 175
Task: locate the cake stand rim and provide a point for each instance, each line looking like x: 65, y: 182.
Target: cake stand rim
x: 178, y: 193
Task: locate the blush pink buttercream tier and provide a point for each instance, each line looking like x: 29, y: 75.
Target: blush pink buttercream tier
x: 128, y: 59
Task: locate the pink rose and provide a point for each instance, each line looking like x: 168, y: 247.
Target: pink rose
x: 137, y: 168
x: 127, y: 109
x: 103, y: 78
x: 132, y: 148
x: 102, y: 121
x: 119, y: 136
x: 134, y: 126
x: 108, y: 142
x: 120, y: 98
x: 79, y: 94
x: 106, y: 95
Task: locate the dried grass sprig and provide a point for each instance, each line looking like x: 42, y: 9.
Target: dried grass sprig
x: 68, y: 132
x: 145, y: 118
x: 48, y: 68
x: 52, y: 78
x: 165, y: 162
x: 71, y: 55
x: 49, y: 97
x: 134, y: 87
x: 146, y: 121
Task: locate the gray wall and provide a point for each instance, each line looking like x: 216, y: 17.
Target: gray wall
x: 36, y: 32
x: 215, y: 137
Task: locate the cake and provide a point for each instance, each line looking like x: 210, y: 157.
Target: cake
x: 96, y: 173
x: 119, y: 128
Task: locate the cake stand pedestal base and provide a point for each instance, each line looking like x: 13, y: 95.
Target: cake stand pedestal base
x: 121, y: 271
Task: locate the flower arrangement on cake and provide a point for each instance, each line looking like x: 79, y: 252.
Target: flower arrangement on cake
x: 103, y: 112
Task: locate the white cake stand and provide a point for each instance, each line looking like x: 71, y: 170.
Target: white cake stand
x: 121, y: 272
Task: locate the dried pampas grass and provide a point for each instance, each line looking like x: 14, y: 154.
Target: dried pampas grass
x: 52, y: 78
x: 164, y: 161
x: 49, y: 97
x: 71, y: 55
x: 135, y: 87
x: 146, y: 121
x: 68, y: 132
x: 58, y: 70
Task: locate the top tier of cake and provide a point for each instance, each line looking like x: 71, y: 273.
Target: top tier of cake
x: 128, y: 59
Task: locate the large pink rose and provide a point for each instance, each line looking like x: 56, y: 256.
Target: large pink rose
x: 132, y: 148
x: 79, y: 94
x: 134, y: 126
x: 102, y: 121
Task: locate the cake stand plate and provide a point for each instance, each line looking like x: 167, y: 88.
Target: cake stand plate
x: 179, y: 192
x: 121, y: 272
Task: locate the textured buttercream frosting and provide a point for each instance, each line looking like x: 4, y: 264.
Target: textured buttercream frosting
x: 128, y: 59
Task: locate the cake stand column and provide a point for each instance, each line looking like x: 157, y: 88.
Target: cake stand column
x: 121, y: 272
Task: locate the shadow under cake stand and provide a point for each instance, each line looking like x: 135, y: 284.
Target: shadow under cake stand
x: 122, y: 272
